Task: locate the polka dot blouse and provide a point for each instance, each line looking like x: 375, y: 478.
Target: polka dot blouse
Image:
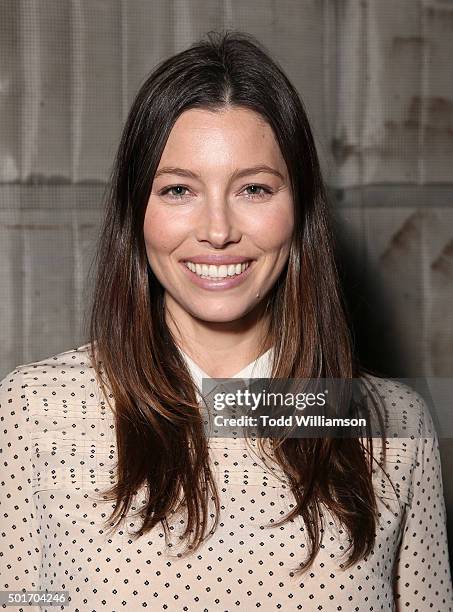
x: 58, y: 453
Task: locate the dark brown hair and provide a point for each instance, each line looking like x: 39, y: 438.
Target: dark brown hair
x: 161, y: 442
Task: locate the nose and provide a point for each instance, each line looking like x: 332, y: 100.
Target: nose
x: 217, y: 224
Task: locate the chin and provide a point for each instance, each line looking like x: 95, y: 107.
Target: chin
x: 221, y: 315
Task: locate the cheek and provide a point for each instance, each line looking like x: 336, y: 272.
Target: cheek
x: 274, y: 229
x: 163, y: 230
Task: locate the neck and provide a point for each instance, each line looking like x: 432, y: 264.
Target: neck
x: 219, y: 348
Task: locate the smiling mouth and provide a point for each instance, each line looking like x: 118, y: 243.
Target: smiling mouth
x: 212, y: 272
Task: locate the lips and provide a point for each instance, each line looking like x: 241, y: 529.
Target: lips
x: 217, y: 283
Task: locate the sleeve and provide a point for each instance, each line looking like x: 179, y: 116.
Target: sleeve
x: 422, y: 571
x: 20, y: 553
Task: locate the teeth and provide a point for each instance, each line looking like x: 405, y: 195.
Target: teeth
x: 211, y: 271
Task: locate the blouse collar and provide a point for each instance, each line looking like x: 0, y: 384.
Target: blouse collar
x: 259, y: 368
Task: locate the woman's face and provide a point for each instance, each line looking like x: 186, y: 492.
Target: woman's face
x: 220, y: 196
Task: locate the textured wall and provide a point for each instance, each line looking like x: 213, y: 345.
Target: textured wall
x: 377, y: 80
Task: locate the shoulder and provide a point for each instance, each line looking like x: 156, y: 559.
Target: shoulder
x: 56, y: 409
x: 406, y: 412
x: 409, y: 430
x: 67, y: 376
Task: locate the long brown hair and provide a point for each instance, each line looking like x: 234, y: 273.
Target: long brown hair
x: 161, y: 443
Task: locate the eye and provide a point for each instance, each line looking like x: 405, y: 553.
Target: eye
x: 265, y: 191
x: 179, y: 196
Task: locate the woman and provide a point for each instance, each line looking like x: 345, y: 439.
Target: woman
x: 216, y: 260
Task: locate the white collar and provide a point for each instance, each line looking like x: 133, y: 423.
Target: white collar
x: 260, y: 368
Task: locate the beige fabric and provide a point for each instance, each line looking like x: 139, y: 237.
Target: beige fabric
x: 58, y: 453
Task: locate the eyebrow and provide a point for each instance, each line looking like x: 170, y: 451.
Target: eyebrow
x: 234, y: 175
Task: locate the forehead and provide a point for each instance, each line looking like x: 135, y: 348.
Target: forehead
x: 232, y: 135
